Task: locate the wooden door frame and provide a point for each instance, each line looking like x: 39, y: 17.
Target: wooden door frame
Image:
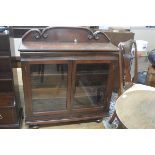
x: 27, y: 87
x: 108, y: 90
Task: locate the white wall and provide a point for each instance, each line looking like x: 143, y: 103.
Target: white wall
x: 14, y: 45
x: 147, y: 34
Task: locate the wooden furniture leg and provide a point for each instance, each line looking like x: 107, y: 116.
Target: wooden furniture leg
x: 114, y: 115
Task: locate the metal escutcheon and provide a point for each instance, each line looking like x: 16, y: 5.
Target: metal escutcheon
x: 1, y: 117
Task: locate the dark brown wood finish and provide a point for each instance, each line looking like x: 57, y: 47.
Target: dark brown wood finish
x: 150, y: 79
x: 10, y: 110
x: 115, y: 37
x: 58, y: 34
x: 71, y: 46
x: 28, y: 88
x: 109, y: 88
x: 19, y: 31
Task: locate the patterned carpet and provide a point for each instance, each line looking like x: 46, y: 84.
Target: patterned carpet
x: 115, y: 123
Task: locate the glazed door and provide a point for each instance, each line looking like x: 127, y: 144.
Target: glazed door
x: 49, y: 83
x: 92, y: 84
x: 56, y: 87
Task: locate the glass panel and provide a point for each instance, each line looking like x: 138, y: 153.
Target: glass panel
x: 49, y: 86
x: 90, y: 85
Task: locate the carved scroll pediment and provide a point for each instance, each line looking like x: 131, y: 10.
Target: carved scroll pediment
x: 65, y: 34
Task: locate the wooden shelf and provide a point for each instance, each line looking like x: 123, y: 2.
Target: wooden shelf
x: 9, y: 105
x: 92, y: 72
x: 86, y: 102
x: 78, y: 73
x: 52, y: 82
x: 6, y: 99
x: 53, y: 74
x: 49, y: 93
x: 5, y: 76
x: 49, y: 105
x: 4, y: 54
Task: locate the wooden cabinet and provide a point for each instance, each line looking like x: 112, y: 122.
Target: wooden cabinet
x: 9, y: 107
x: 68, y: 74
x: 150, y: 80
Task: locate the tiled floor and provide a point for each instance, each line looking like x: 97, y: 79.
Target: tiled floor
x: 89, y: 125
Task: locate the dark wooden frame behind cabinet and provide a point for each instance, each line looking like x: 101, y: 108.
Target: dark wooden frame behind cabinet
x: 10, y: 106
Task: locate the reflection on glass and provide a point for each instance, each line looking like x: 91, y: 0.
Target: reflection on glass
x: 49, y: 86
x: 90, y: 85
